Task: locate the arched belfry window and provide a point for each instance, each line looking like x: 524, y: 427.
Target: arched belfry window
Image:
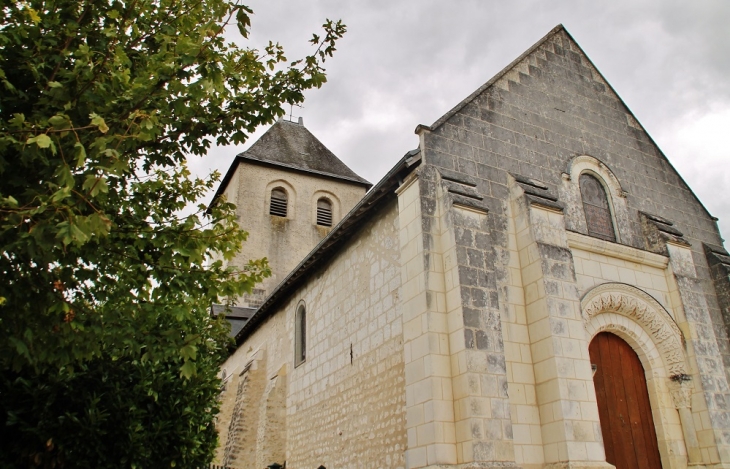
x: 300, y: 335
x: 596, y: 208
x: 279, y: 202
x: 324, y: 212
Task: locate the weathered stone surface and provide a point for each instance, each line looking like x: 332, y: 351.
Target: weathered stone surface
x: 452, y: 331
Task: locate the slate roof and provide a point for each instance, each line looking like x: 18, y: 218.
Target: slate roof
x: 290, y: 145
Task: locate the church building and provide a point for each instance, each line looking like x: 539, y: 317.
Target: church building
x: 534, y: 286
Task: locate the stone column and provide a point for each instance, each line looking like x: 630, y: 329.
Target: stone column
x: 682, y: 396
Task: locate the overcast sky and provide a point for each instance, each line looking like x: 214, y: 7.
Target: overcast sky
x: 404, y: 63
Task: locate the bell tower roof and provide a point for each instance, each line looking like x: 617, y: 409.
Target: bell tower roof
x: 291, y: 145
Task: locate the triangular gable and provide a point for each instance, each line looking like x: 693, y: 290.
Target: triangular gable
x: 521, y: 66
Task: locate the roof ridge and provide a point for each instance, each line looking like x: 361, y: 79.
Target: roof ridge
x: 441, y: 120
x: 557, y: 29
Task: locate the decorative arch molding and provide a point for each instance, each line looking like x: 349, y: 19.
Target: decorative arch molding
x: 569, y: 192
x: 642, y: 309
x: 584, y: 163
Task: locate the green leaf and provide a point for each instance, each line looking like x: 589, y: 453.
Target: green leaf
x: 17, y: 120
x: 65, y: 177
x: 80, y: 154
x: 95, y: 185
x: 99, y: 224
x: 42, y: 140
x: 188, y: 369
x: 98, y: 121
x: 59, y: 121
x: 61, y: 194
x: 189, y: 352
x: 19, y: 346
x: 33, y: 15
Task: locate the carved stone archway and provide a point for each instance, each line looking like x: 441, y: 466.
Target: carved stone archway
x: 644, y: 310
x: 640, y: 319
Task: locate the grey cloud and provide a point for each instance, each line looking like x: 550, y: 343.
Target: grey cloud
x: 408, y: 62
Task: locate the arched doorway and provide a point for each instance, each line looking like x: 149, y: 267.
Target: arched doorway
x: 623, y: 404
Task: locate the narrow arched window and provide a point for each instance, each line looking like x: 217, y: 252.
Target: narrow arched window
x: 279, y: 202
x: 324, y: 212
x: 300, y: 336
x: 596, y: 208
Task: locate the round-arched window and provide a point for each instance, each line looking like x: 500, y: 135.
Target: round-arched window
x: 279, y: 202
x: 324, y: 212
x: 300, y: 335
x: 596, y: 208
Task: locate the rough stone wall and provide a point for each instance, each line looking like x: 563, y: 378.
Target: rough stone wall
x: 284, y: 241
x: 551, y: 107
x: 236, y: 422
x: 345, y: 403
x: 251, y: 368
x: 271, y: 432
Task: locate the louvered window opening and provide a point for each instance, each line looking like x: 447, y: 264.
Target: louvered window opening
x: 278, y: 204
x: 324, y: 213
x: 595, y: 206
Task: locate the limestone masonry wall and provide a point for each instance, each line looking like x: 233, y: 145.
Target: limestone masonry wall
x: 284, y: 240
x: 345, y: 403
x: 549, y: 109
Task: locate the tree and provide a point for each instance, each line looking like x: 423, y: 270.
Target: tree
x: 108, y: 353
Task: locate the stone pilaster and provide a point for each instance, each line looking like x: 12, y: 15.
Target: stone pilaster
x: 482, y: 412
x: 710, y: 393
x: 718, y: 260
x: 681, y: 391
x: 458, y: 411
x: 429, y: 398
x: 566, y: 398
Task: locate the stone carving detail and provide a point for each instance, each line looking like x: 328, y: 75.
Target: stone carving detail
x: 681, y: 394
x: 644, y: 310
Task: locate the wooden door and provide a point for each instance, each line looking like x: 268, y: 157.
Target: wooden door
x: 623, y: 404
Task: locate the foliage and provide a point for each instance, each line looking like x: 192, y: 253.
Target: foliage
x: 154, y: 418
x: 105, y: 284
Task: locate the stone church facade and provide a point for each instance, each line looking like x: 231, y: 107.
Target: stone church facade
x: 534, y: 286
